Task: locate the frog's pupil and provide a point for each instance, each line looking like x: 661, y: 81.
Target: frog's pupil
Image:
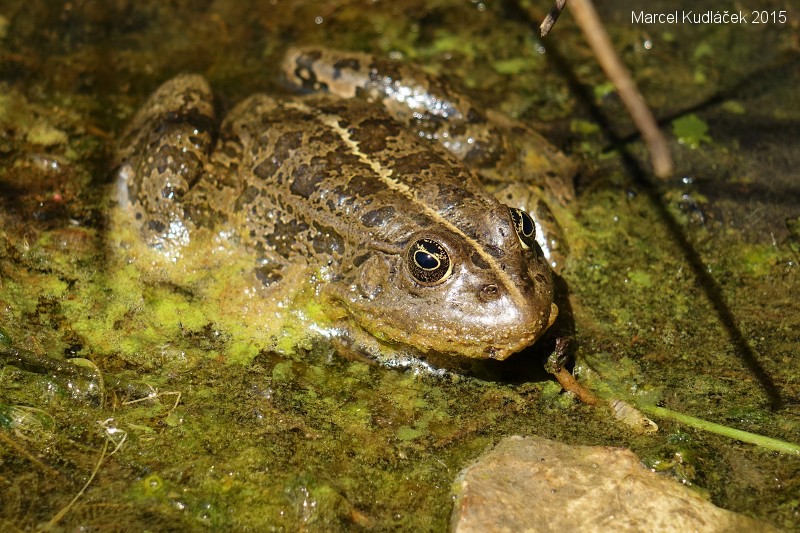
x: 426, y: 260
x: 527, y: 224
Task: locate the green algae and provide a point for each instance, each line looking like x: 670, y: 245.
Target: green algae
x: 732, y: 106
x: 702, y: 50
x: 154, y: 317
x: 272, y: 426
x: 640, y: 277
x: 46, y: 135
x: 603, y: 90
x: 512, y: 66
x: 584, y: 127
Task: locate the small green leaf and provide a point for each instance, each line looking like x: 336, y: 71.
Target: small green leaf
x: 691, y: 130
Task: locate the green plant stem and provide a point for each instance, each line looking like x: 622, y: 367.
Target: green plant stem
x: 719, y: 429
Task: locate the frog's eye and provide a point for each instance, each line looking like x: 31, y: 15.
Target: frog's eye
x: 526, y: 229
x: 428, y: 262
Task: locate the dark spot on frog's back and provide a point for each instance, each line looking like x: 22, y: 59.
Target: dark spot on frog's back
x: 156, y: 226
x: 358, y: 261
x: 415, y: 163
x: 287, y: 142
x: 364, y: 185
x: 307, y: 177
x: 450, y: 195
x: 185, y: 118
x: 378, y: 217
x: 327, y: 240
x: 324, y: 138
x: 247, y: 197
x: 304, y: 70
x: 372, y: 133
x: 182, y: 162
x: 284, y: 238
x: 332, y: 107
x: 495, y: 251
x: 308, y: 57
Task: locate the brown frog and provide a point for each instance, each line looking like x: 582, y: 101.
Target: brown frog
x: 412, y: 254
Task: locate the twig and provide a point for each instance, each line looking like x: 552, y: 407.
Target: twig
x: 63, y: 512
x: 589, y: 23
x: 570, y: 384
x: 551, y: 18
x: 155, y: 395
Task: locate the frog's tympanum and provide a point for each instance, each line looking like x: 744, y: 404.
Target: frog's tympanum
x: 418, y: 256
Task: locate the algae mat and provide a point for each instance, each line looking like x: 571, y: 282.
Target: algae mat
x: 683, y: 292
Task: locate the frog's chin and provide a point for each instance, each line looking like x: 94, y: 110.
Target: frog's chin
x: 354, y: 339
x: 354, y: 342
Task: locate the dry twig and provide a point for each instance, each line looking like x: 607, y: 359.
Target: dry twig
x: 597, y: 37
x: 551, y: 18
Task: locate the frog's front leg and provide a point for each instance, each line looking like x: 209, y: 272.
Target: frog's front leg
x: 163, y: 153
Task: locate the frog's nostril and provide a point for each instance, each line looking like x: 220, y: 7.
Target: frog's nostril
x: 489, y: 292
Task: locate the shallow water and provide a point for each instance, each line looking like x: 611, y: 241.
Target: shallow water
x: 683, y: 291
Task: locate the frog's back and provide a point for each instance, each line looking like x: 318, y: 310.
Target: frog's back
x: 349, y: 176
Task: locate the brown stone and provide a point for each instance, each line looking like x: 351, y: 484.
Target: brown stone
x: 535, y: 484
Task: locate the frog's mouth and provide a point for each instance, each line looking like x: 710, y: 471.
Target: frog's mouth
x: 395, y: 348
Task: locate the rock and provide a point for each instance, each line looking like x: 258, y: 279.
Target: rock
x: 535, y: 484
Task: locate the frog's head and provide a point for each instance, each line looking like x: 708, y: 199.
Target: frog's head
x: 483, y: 292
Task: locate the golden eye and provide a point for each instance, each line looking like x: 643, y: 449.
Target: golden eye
x: 526, y: 229
x: 428, y: 262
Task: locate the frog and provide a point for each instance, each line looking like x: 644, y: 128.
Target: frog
x: 387, y: 187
